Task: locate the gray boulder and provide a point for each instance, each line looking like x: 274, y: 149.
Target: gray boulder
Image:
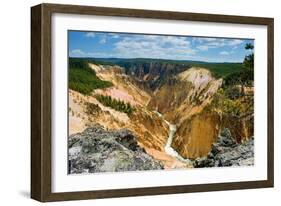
x: 227, y: 152
x: 99, y: 150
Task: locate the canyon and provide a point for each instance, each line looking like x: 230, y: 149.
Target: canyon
x: 179, y: 113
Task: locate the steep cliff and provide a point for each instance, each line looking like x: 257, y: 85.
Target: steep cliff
x: 196, y: 134
x: 227, y: 152
x: 151, y: 75
x: 241, y: 128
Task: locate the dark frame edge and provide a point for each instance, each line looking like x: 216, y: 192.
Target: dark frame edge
x: 166, y: 190
x: 270, y: 102
x: 36, y: 138
x: 157, y: 14
x: 41, y: 102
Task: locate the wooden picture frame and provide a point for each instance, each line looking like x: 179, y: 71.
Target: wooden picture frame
x: 41, y: 96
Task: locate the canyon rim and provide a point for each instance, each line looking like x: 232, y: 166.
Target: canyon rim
x: 155, y: 102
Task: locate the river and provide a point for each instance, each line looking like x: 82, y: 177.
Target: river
x: 168, y: 147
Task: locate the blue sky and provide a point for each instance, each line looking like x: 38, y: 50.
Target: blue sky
x: 121, y: 45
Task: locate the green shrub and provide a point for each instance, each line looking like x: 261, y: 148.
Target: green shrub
x: 83, y: 79
x: 233, y: 92
x: 231, y: 101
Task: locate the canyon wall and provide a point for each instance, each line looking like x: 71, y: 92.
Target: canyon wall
x: 186, y: 100
x: 196, y: 134
x: 183, y: 95
x: 151, y: 75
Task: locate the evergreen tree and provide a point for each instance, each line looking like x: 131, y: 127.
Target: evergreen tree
x: 249, y: 59
x: 116, y: 104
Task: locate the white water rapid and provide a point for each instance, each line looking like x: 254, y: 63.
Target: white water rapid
x: 168, y: 147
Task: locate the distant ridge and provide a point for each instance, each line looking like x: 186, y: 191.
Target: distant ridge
x: 218, y: 69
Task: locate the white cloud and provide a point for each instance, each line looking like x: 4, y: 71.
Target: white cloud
x: 204, y: 44
x: 179, y: 41
x: 90, y: 34
x: 204, y: 39
x: 114, y: 36
x: 235, y: 42
x: 77, y: 52
x: 224, y: 53
x: 81, y: 53
x: 102, y: 40
x: 216, y: 44
x: 203, y: 47
x: 151, y: 46
x: 163, y: 47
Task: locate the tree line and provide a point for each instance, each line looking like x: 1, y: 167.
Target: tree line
x: 83, y: 79
x: 116, y: 104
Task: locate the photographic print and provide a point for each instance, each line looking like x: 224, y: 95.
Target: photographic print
x: 141, y: 102
x: 130, y: 102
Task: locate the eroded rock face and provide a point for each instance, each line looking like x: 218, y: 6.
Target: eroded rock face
x: 227, y: 152
x: 151, y: 131
x: 98, y: 150
x: 185, y: 94
x: 196, y: 134
x: 151, y: 75
x: 241, y: 128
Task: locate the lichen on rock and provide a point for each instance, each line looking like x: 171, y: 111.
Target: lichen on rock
x: 99, y: 150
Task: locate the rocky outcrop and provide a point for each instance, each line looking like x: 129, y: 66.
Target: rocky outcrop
x: 227, y: 152
x: 99, y: 150
x: 241, y: 128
